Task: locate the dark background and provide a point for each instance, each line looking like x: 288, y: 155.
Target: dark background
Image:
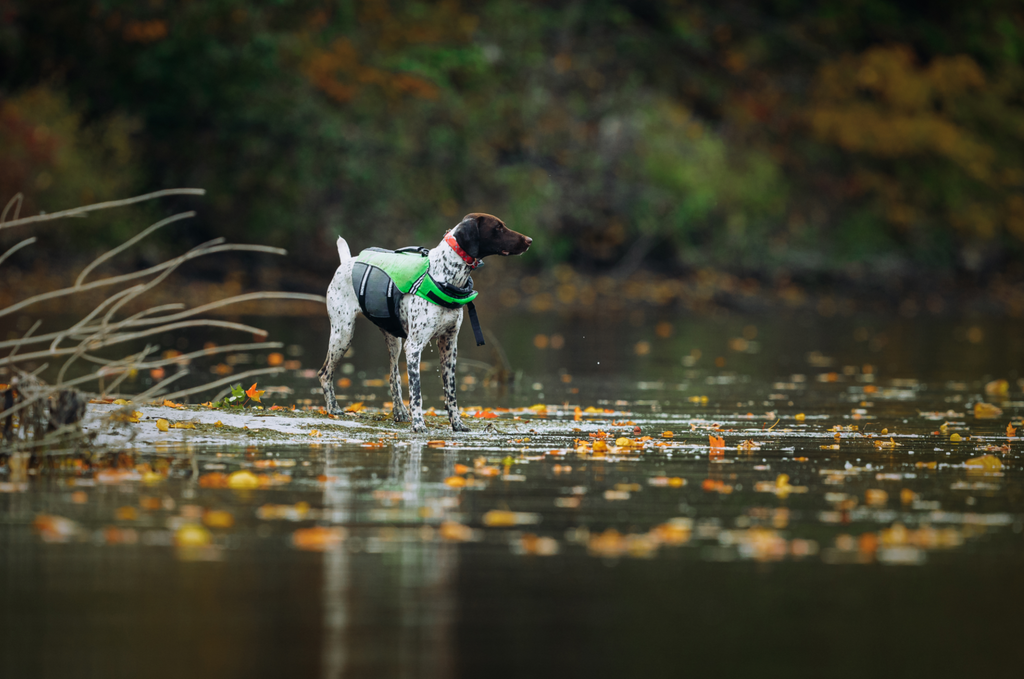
x: 830, y: 140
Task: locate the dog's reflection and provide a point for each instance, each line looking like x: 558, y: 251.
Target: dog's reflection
x: 402, y: 566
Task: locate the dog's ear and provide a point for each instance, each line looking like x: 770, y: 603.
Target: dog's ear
x: 467, y: 233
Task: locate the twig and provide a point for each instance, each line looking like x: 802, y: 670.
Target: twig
x: 99, y: 206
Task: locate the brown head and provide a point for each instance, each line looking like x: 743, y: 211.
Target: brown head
x: 481, y: 235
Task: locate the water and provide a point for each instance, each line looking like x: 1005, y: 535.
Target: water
x: 524, y: 549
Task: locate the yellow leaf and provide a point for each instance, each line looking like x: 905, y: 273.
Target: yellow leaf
x: 314, y: 432
x: 184, y: 425
x: 989, y: 463
x: 243, y: 480
x: 162, y: 424
x: 986, y: 411
x: 355, y: 407
x: 500, y: 517
x: 192, y: 535
x: 955, y: 438
x: 997, y: 388
x: 218, y: 518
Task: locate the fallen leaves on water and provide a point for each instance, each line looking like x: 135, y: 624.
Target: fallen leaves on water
x: 455, y: 532
x: 538, y: 546
x: 716, y: 441
x: 891, y: 443
x: 218, y: 518
x: 666, y: 481
x: 498, y: 518
x: 126, y: 416
x: 986, y: 411
x: 192, y: 535
x: 988, y: 463
x: 243, y: 480
x: 163, y: 425
x: 53, y: 528
x: 354, y: 407
x: 716, y: 486
x: 295, y: 512
x: 997, y: 388
x: 667, y: 434
x: 955, y: 438
x: 318, y: 538
x: 1011, y: 431
x: 876, y: 497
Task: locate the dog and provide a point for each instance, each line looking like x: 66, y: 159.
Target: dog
x: 477, y: 236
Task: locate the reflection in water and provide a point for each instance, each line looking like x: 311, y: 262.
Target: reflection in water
x: 337, y: 509
x: 417, y: 570
x: 877, y: 491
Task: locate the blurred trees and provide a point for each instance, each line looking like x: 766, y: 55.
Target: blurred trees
x: 762, y: 137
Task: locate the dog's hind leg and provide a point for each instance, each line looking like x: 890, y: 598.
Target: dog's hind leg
x: 446, y: 346
x: 398, y: 411
x: 342, y: 323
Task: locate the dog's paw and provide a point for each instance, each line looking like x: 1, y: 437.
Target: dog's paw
x: 459, y: 426
x: 400, y: 415
x: 419, y: 428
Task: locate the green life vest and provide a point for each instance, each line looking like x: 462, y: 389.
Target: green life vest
x: 381, y: 277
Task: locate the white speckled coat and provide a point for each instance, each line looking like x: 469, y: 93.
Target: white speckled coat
x: 479, y: 235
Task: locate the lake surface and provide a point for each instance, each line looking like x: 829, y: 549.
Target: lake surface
x: 810, y: 513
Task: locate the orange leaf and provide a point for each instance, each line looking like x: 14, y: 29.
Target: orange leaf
x: 717, y: 441
x: 1011, y: 431
x: 253, y: 393
x: 355, y: 407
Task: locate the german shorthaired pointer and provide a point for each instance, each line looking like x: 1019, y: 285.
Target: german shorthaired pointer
x: 477, y: 236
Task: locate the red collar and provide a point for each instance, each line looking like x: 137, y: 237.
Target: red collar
x: 450, y: 239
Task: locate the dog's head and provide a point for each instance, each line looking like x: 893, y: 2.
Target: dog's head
x: 481, y: 235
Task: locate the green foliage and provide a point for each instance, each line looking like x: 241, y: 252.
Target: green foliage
x: 765, y: 137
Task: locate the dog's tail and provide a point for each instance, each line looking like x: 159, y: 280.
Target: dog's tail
x: 343, y: 250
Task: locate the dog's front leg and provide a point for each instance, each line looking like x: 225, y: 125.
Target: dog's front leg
x: 447, y: 346
x: 413, y: 352
x: 398, y: 410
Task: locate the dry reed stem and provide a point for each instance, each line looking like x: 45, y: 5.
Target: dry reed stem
x: 99, y: 328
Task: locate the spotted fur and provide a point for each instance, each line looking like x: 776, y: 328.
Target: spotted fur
x: 479, y: 235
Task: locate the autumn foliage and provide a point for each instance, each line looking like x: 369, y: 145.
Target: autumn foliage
x: 771, y: 137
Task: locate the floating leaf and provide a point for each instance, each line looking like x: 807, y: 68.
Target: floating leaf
x: 988, y: 463
x: 162, y: 424
x: 986, y: 411
x: 192, y: 535
x: 318, y: 538
x: 997, y: 388
x: 354, y: 407
x: 243, y: 480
